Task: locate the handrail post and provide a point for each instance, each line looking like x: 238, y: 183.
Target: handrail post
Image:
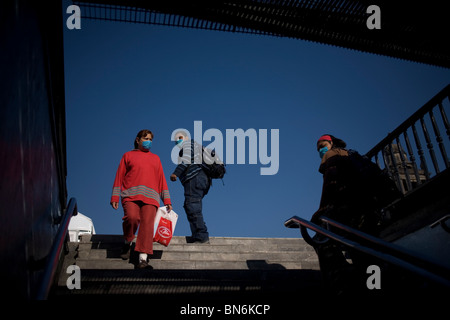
x: 395, y: 169
x: 439, y: 140
x: 423, y: 162
x: 412, y: 158
x: 404, y: 165
x: 429, y: 145
x: 444, y: 118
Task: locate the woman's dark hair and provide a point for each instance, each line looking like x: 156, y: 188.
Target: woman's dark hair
x: 337, y: 143
x: 140, y: 135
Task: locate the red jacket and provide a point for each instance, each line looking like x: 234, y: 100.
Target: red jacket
x: 140, y: 176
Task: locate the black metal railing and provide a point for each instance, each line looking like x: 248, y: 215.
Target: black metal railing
x: 372, y: 246
x: 55, y: 253
x: 175, y: 18
x: 408, y: 163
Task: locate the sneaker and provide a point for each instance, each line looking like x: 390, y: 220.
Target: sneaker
x: 125, y: 254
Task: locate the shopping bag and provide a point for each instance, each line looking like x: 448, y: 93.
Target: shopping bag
x: 164, y: 227
x: 163, y: 232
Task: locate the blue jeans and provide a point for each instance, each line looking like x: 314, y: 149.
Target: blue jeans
x: 194, y: 191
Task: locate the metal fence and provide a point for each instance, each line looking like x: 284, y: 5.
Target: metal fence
x: 176, y: 18
x: 413, y: 153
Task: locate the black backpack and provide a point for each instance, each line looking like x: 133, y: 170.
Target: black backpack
x: 212, y: 165
x: 375, y: 180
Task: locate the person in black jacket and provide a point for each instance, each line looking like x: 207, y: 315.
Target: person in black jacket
x: 354, y: 191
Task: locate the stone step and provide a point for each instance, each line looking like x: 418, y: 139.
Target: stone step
x: 223, y: 254
x: 103, y: 252
x: 199, y: 264
x: 112, y: 249
x: 234, y: 267
x: 179, y: 243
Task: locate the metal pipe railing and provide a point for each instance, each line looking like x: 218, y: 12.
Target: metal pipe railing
x: 400, y: 162
x: 55, y: 253
x: 371, y: 246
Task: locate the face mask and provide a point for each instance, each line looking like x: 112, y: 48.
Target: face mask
x: 147, y: 144
x: 322, y: 151
x: 179, y: 143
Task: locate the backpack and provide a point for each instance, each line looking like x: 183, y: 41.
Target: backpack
x: 377, y: 182
x: 212, y: 165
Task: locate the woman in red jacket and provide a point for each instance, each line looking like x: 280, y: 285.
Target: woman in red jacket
x: 141, y: 183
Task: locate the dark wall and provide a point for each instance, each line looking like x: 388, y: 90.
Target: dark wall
x: 32, y: 140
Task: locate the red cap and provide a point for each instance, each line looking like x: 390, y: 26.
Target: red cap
x: 325, y: 137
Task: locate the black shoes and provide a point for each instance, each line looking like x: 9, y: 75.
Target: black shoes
x: 143, y: 264
x: 202, y: 241
x: 190, y: 239
x: 125, y: 253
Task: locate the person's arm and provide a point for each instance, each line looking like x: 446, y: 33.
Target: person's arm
x: 120, y: 174
x: 335, y: 170
x: 331, y: 169
x: 184, y: 161
x: 164, y: 193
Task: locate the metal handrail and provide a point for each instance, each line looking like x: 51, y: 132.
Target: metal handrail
x: 388, y: 247
x: 400, y: 160
x: 55, y: 253
x: 389, y: 257
x: 413, y: 118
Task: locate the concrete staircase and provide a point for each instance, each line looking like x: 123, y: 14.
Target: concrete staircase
x: 226, y: 266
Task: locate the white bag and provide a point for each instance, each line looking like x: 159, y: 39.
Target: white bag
x: 162, y: 233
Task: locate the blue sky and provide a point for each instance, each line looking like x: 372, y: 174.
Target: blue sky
x: 121, y: 78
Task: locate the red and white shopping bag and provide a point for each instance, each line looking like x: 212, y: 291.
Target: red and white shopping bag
x: 164, y: 226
